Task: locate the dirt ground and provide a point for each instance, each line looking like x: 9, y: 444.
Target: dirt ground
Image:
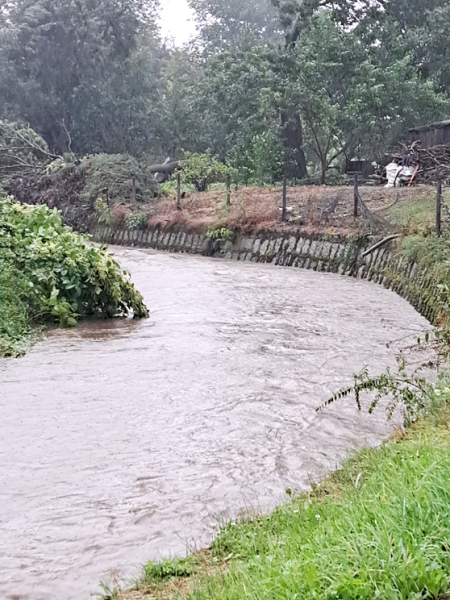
x: 309, y: 208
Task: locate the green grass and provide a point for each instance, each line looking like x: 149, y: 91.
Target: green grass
x: 168, y: 568
x: 385, y: 534
x: 377, y: 528
x: 415, y: 214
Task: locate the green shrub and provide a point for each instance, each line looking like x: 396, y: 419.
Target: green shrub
x: 103, y: 213
x: 170, y: 187
x: 201, y: 170
x: 49, y: 273
x: 18, y: 302
x: 258, y: 161
x: 113, y: 175
x: 136, y: 220
x: 222, y: 234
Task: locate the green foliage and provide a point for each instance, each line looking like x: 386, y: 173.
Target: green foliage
x: 107, y: 592
x: 114, y: 175
x: 55, y: 275
x: 411, y: 392
x: 103, y: 213
x: 431, y: 255
x: 86, y: 75
x: 225, y: 22
x: 170, y: 187
x: 136, y: 220
x: 428, y: 251
x: 203, y: 169
x: 270, y: 85
x: 376, y: 528
x: 329, y: 93
x: 168, y: 568
x: 17, y: 304
x: 258, y: 161
x: 223, y: 234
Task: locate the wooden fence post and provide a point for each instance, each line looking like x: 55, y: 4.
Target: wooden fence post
x: 178, y: 191
x: 355, y: 196
x: 438, y: 206
x: 133, y: 189
x: 228, y: 187
x: 283, y: 210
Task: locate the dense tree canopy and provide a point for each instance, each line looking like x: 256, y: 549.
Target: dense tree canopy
x: 269, y: 86
x: 83, y: 73
x: 225, y: 22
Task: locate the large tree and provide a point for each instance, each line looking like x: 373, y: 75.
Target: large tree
x: 81, y: 72
x: 350, y: 103
x: 226, y: 22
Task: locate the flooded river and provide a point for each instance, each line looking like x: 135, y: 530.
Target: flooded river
x: 124, y: 441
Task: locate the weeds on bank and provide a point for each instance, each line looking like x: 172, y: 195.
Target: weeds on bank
x: 107, y: 592
x: 412, y: 392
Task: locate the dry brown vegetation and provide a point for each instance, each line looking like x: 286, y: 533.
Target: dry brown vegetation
x: 310, y: 208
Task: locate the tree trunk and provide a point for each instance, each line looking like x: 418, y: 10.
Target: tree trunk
x: 292, y: 136
x: 167, y: 168
x: 323, y: 173
x: 164, y: 171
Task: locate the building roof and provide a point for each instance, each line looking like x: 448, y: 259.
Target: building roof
x: 438, y: 125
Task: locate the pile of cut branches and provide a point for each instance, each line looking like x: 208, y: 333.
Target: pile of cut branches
x: 432, y: 163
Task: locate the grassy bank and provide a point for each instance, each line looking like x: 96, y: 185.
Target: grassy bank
x: 50, y: 274
x: 377, y: 528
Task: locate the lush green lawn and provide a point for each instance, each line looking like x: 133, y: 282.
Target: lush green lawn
x: 377, y: 528
x: 386, y: 534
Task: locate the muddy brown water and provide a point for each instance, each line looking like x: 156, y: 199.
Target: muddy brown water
x: 127, y: 440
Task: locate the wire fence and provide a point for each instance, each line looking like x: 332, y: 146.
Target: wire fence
x: 342, y: 209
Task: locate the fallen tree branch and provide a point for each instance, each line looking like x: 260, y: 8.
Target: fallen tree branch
x: 166, y: 168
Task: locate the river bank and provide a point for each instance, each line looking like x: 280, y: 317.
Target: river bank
x: 375, y: 528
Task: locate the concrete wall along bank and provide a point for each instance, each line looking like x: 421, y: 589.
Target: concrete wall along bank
x: 335, y: 254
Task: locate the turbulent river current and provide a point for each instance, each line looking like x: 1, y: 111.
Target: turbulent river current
x: 123, y: 441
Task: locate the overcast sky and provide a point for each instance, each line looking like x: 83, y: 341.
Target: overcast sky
x: 177, y: 21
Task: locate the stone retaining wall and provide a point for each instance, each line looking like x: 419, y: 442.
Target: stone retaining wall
x: 335, y: 254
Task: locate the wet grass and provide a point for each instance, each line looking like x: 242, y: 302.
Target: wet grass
x: 377, y: 528
x: 415, y: 212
